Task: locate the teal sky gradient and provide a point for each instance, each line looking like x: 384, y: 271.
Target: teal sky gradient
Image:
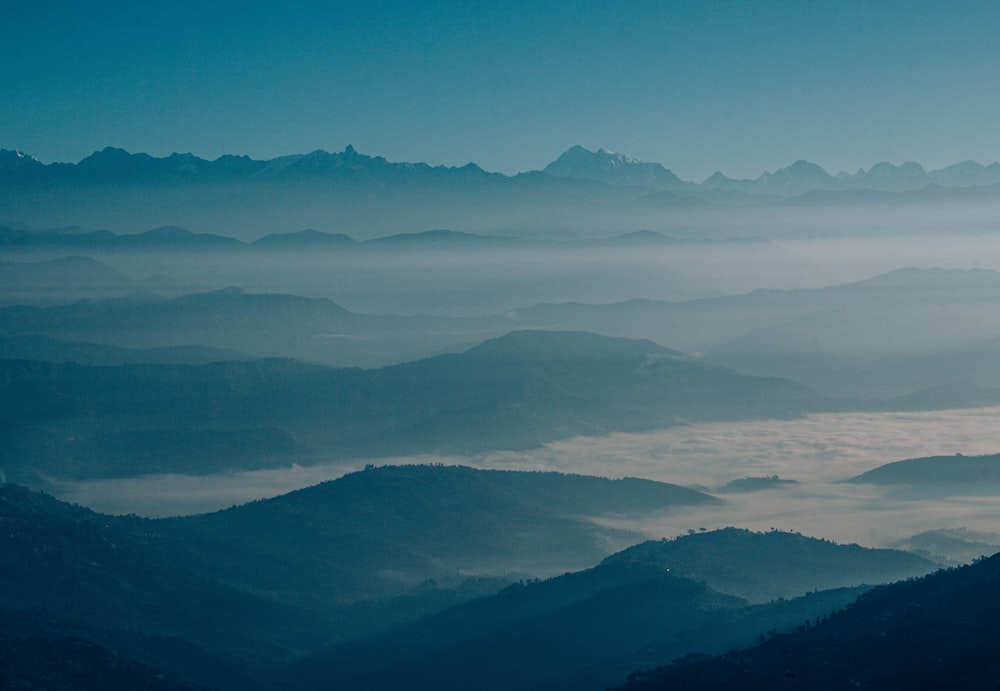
x: 699, y: 86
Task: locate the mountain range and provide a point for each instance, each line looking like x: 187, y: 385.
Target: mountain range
x: 356, y: 193
x: 113, y: 164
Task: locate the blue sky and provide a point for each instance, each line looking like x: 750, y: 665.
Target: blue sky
x: 699, y: 86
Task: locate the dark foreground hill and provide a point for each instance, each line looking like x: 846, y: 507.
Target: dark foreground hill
x: 938, y: 632
x: 518, y: 391
x: 278, y: 578
x: 363, y: 580
x: 585, y: 630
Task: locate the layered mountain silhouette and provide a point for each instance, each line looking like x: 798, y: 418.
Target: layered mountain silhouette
x: 924, y: 338
x: 399, y: 576
x: 882, y: 337
x: 257, y: 584
x: 580, y: 630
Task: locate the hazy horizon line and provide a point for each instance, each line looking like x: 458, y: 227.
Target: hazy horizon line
x: 351, y: 149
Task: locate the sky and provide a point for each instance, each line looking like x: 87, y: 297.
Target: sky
x: 699, y: 86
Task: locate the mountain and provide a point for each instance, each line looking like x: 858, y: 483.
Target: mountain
x: 944, y: 475
x: 937, y: 632
x: 516, y: 391
x: 583, y: 630
x: 797, y: 178
x: 616, y: 169
x: 966, y: 174
x: 889, y: 177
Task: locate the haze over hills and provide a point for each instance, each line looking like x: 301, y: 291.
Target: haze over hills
x: 879, y: 338
x: 511, y: 392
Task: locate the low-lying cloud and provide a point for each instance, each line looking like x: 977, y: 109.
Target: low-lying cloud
x: 818, y: 451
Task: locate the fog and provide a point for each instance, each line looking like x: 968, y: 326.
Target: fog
x: 485, y: 278
x: 817, y: 452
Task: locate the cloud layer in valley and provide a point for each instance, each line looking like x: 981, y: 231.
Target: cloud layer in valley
x: 817, y: 452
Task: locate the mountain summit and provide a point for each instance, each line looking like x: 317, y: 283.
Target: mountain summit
x: 614, y: 168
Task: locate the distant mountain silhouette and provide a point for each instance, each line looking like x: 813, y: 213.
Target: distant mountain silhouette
x: 616, y: 169
x: 937, y: 632
x: 361, y: 194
